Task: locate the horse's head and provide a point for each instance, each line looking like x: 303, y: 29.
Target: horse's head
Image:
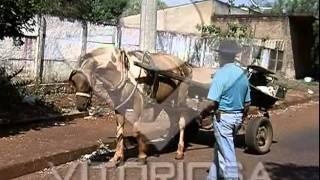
x: 83, y: 89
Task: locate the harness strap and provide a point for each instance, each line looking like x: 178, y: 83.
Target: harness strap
x: 124, y: 68
x: 135, y: 86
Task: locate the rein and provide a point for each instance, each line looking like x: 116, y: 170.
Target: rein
x: 136, y: 85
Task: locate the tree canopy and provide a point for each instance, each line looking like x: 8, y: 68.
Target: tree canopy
x: 296, y: 7
x: 134, y: 7
x: 16, y: 15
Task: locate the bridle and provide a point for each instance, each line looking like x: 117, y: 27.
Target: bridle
x: 125, y: 67
x: 83, y: 94
x: 124, y: 77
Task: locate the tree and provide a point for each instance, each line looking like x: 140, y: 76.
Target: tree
x: 16, y: 16
x: 296, y: 7
x: 134, y: 7
x: 96, y: 11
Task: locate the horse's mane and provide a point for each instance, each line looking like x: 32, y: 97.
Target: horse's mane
x: 96, y: 52
x: 137, y: 53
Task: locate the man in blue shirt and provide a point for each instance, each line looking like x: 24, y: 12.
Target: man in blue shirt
x: 230, y: 96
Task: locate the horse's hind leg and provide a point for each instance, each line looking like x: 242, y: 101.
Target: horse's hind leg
x: 138, y: 108
x: 119, y: 154
x: 182, y: 96
x: 181, y: 145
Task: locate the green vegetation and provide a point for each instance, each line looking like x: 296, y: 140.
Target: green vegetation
x: 296, y: 7
x: 134, y: 7
x: 11, y: 92
x: 17, y: 15
x: 233, y: 31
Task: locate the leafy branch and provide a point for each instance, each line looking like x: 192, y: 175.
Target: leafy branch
x: 233, y: 31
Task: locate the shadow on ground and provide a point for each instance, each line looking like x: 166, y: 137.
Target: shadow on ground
x: 16, y: 129
x: 291, y: 171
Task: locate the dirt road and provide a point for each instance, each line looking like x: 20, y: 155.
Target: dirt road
x: 294, y: 154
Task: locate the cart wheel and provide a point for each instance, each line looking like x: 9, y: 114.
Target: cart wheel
x: 259, y: 135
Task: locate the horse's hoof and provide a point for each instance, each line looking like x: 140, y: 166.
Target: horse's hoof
x: 116, y: 162
x: 179, y: 156
x: 142, y: 161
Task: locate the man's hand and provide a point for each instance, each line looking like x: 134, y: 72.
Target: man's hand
x: 246, y: 110
x: 207, y: 111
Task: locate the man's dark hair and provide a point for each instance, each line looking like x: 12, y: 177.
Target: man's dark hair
x: 228, y: 50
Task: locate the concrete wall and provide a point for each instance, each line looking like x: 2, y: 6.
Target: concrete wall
x: 63, y: 43
x: 14, y: 58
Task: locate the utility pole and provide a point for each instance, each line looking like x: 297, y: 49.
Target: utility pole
x: 40, y: 48
x: 148, y: 25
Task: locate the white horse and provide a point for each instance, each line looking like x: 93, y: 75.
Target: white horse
x: 126, y: 84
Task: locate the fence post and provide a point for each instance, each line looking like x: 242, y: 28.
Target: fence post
x: 84, y: 41
x: 40, y: 48
x: 118, y: 38
x: 203, y: 52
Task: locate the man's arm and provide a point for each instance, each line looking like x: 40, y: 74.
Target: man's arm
x: 247, y: 103
x: 246, y: 110
x: 212, y: 106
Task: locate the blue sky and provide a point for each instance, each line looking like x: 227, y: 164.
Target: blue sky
x: 178, y: 2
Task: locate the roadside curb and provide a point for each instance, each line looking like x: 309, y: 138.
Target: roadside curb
x: 71, y: 115
x: 25, y: 168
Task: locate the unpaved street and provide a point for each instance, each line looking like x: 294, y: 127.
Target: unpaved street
x: 294, y: 154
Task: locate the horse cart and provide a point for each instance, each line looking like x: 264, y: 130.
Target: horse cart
x: 257, y: 128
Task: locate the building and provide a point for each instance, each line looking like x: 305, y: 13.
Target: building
x: 185, y: 18
x: 286, y: 41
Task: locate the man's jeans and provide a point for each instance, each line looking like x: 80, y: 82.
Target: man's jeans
x: 225, y: 163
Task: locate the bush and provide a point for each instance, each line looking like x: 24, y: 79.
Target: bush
x: 11, y: 92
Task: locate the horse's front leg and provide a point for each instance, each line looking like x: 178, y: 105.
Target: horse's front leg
x: 181, y: 145
x: 119, y: 154
x: 142, y: 146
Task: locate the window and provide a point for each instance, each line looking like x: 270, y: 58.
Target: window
x: 276, y: 60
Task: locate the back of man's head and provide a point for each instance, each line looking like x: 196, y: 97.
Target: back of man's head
x: 228, y: 50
